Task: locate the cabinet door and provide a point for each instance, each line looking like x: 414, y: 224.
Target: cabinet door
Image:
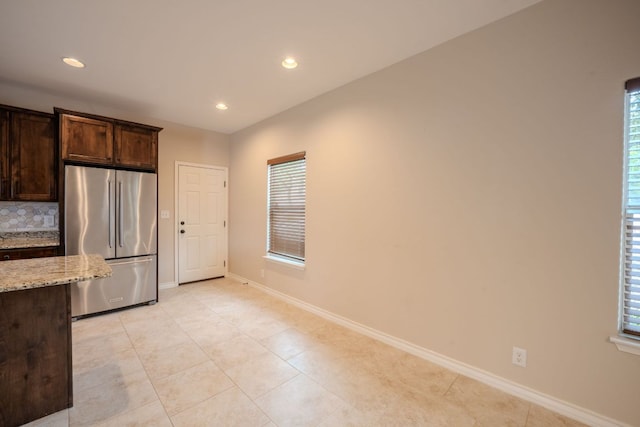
x: 33, y: 157
x: 4, y: 155
x: 136, y: 147
x: 86, y: 140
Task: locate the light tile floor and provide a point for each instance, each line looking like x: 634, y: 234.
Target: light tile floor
x: 219, y: 353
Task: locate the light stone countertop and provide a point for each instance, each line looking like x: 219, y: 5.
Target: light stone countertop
x: 29, y: 239
x: 40, y: 272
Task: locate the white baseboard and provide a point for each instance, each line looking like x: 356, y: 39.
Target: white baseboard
x: 567, y: 409
x: 167, y: 285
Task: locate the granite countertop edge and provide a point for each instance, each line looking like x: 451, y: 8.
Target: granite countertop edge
x: 29, y: 239
x: 51, y: 271
x: 29, y: 243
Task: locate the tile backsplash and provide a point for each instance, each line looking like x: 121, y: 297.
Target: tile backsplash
x: 28, y: 216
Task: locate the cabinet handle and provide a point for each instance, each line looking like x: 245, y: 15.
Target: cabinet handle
x: 7, y: 257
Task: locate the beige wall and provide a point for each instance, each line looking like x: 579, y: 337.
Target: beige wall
x: 182, y: 144
x: 468, y: 199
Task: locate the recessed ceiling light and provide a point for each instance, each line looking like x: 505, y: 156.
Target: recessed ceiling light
x: 289, y: 63
x: 221, y: 106
x: 73, y: 62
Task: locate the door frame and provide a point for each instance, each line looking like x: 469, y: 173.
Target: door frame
x: 176, y: 200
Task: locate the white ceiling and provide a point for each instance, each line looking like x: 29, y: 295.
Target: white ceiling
x: 175, y: 59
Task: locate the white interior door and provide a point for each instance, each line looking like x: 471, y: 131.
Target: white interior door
x: 201, y: 216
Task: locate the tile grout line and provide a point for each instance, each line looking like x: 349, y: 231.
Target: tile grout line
x: 235, y: 385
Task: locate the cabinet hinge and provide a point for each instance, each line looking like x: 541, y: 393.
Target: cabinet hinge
x: 225, y: 184
x: 225, y: 223
x: 224, y: 263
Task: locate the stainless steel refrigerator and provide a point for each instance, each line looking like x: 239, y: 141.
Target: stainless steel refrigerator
x: 112, y: 213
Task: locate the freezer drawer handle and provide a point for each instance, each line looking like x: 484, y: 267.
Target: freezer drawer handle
x: 139, y: 261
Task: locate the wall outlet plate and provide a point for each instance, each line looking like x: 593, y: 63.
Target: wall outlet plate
x: 519, y: 357
x: 164, y: 214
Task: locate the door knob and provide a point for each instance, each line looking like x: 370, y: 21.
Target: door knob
x: 181, y: 231
x: 181, y: 222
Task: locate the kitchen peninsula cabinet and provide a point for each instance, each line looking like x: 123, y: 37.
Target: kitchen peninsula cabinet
x: 35, y: 334
x: 90, y: 139
x: 29, y: 155
x: 36, y: 358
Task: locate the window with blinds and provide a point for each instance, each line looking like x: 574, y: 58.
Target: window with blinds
x: 630, y: 292
x: 287, y: 206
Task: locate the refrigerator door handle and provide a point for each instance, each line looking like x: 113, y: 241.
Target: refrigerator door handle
x: 120, y: 215
x: 110, y: 216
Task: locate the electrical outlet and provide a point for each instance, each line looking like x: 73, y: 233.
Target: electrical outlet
x: 519, y: 357
x: 164, y: 214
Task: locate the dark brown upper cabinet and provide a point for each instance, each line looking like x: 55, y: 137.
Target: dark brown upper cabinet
x: 29, y: 155
x: 136, y: 147
x: 5, y: 173
x: 86, y: 140
x: 101, y: 140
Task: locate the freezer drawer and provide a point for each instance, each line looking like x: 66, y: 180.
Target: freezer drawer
x: 133, y: 282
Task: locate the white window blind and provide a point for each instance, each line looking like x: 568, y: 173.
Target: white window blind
x: 287, y: 206
x: 630, y: 295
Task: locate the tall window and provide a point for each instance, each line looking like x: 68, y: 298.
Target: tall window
x: 286, y: 206
x: 630, y: 291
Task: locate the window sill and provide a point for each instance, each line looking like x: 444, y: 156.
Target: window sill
x: 627, y: 345
x: 298, y: 265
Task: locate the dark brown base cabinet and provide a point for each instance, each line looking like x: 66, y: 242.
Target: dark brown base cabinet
x: 35, y: 354
x: 12, y: 254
